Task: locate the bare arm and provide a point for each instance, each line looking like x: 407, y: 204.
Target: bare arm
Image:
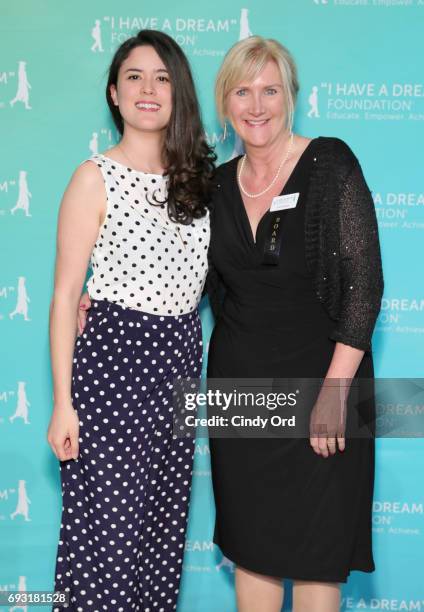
x: 81, y: 214
x: 345, y: 362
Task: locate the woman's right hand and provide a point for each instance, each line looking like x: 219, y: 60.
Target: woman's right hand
x: 83, y: 308
x: 63, y: 432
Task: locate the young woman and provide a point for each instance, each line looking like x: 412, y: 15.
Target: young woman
x: 139, y: 212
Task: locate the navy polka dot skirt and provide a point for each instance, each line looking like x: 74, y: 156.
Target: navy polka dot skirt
x: 125, y: 499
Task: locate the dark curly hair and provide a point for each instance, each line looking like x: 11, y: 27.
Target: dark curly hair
x: 188, y: 158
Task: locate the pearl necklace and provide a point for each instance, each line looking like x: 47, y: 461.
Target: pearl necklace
x: 272, y: 183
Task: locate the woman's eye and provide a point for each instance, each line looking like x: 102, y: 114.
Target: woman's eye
x: 271, y: 91
x: 133, y: 77
x: 163, y: 79
x: 241, y: 92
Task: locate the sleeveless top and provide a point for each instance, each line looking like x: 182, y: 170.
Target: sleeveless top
x: 142, y: 259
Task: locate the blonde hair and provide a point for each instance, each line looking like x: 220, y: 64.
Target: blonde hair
x: 245, y: 60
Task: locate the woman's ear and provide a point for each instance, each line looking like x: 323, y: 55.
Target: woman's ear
x: 114, y: 94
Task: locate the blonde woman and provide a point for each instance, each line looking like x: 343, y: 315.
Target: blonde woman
x: 300, y: 301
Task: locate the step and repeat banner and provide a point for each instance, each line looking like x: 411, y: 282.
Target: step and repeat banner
x: 361, y: 75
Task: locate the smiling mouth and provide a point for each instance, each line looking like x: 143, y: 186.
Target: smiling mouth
x: 256, y: 122
x: 147, y: 106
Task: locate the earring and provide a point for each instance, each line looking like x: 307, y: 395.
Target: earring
x: 225, y: 131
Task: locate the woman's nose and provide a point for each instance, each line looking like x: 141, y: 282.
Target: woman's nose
x: 147, y: 85
x: 256, y: 104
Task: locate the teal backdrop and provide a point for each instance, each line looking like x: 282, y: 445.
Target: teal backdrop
x: 361, y: 75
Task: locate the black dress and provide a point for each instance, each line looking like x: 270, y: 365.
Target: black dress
x: 281, y: 510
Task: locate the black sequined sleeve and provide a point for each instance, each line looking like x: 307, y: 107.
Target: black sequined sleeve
x: 360, y: 263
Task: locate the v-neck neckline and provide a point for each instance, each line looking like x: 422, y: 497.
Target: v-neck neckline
x: 245, y: 216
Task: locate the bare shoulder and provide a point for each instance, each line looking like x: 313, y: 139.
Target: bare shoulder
x: 114, y: 154
x: 85, y: 194
x: 87, y: 176
x: 302, y: 142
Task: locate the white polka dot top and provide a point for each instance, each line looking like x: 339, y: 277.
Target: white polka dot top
x: 141, y: 259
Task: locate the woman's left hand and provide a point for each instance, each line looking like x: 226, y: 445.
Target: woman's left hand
x: 83, y: 308
x: 327, y: 425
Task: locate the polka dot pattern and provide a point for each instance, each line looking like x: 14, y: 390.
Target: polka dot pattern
x: 141, y: 259
x: 125, y: 499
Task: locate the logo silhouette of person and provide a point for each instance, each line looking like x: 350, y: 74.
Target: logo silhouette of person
x: 313, y: 103
x: 244, y: 33
x: 22, y: 94
x: 23, y: 502
x: 23, y: 196
x: 96, y: 33
x: 225, y: 563
x: 22, y: 301
x: 22, y: 405
x: 22, y: 588
x: 94, y: 143
x: 244, y: 24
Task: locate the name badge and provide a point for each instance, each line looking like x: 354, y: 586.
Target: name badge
x: 284, y: 202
